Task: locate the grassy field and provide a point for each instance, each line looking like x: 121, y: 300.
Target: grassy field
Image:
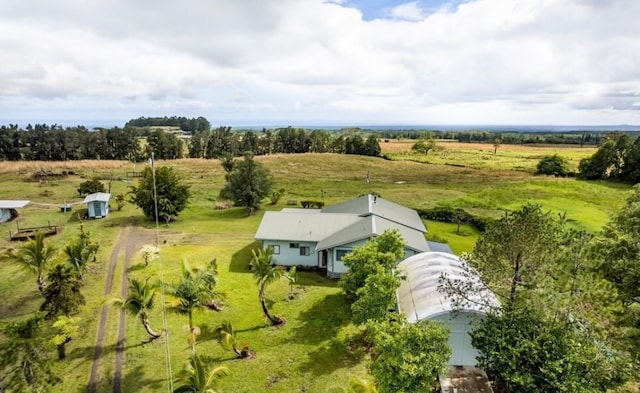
x: 313, y: 350
x: 481, y: 155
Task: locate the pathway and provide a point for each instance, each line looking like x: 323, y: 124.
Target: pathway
x: 130, y: 240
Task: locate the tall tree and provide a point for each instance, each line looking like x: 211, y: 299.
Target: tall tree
x: 511, y: 255
x: 407, y: 357
x: 527, y: 352
x: 382, y: 251
x: 81, y: 251
x: 139, y: 302
x: 172, y: 193
x: 377, y: 297
x: 265, y: 273
x: 25, y: 365
x: 62, y: 296
x: 197, y: 377
x: 249, y: 183
x: 34, y: 255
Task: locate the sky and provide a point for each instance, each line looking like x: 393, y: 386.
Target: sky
x: 321, y: 62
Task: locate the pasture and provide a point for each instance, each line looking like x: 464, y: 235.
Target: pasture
x: 315, y: 349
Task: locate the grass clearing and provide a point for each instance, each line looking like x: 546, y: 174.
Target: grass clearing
x: 313, y: 350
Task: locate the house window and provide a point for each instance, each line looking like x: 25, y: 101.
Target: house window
x: 294, y: 245
x: 305, y: 250
x: 341, y: 253
x: 276, y: 249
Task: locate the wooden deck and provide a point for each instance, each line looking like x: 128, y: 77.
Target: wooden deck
x: 30, y: 232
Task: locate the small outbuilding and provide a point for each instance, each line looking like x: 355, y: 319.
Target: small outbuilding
x: 97, y: 204
x: 8, y: 208
x: 420, y: 298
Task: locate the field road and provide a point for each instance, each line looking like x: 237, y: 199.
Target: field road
x: 130, y: 240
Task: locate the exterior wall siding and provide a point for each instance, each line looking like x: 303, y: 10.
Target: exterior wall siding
x: 92, y: 212
x: 460, y: 325
x: 289, y: 256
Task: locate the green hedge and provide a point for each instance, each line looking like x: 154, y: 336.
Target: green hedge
x: 454, y: 215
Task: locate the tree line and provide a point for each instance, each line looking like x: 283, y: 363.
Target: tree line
x: 44, y: 142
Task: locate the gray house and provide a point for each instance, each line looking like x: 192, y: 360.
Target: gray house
x: 97, y: 204
x: 321, y: 237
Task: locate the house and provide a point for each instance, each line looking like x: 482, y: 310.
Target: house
x: 97, y: 204
x: 8, y: 208
x: 322, y: 237
x: 420, y: 298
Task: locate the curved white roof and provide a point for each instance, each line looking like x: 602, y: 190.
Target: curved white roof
x: 418, y: 295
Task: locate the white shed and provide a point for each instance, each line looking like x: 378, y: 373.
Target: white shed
x: 6, y: 206
x: 420, y: 299
x: 97, y: 204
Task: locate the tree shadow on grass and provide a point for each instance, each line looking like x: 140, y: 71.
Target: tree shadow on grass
x: 136, y: 267
x: 330, y: 356
x: 88, y: 351
x: 240, y: 259
x: 323, y: 320
x: 135, y: 378
x: 131, y: 380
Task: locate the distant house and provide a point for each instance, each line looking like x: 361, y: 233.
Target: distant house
x: 419, y: 298
x: 8, y: 208
x: 322, y: 237
x: 97, y: 204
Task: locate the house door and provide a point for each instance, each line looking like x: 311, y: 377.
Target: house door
x: 322, y: 258
x: 97, y: 209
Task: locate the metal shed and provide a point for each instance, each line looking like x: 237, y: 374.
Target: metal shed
x: 420, y: 299
x: 97, y: 204
x: 6, y: 206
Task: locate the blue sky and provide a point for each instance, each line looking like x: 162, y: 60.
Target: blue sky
x: 382, y: 9
x: 321, y: 62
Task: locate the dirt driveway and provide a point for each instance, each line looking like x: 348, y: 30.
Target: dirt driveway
x: 130, y: 240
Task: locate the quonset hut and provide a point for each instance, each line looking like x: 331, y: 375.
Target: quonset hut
x: 419, y: 298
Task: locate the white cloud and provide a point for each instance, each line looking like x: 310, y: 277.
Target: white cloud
x: 408, y: 11
x: 485, y: 61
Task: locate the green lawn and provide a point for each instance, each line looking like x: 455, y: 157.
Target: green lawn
x: 312, y: 351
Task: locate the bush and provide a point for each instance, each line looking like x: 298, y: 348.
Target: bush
x: 90, y: 187
x: 553, y: 165
x: 454, y: 216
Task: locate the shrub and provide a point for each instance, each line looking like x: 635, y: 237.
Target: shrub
x: 454, y: 216
x: 91, y: 186
x: 553, y: 165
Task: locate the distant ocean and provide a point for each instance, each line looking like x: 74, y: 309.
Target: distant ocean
x: 495, y: 128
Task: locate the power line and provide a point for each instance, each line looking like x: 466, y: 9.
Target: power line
x: 167, y: 350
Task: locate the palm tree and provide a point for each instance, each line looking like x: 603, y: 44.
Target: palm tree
x: 194, y: 291
x: 292, y: 277
x: 195, y: 378
x: 265, y: 273
x: 34, y: 255
x: 139, y: 303
x: 80, y: 252
x: 226, y: 337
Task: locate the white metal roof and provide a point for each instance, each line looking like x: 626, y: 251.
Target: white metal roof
x: 419, y: 297
x: 369, y: 226
x: 374, y: 205
x: 302, y: 225
x: 13, y: 204
x: 98, y: 196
